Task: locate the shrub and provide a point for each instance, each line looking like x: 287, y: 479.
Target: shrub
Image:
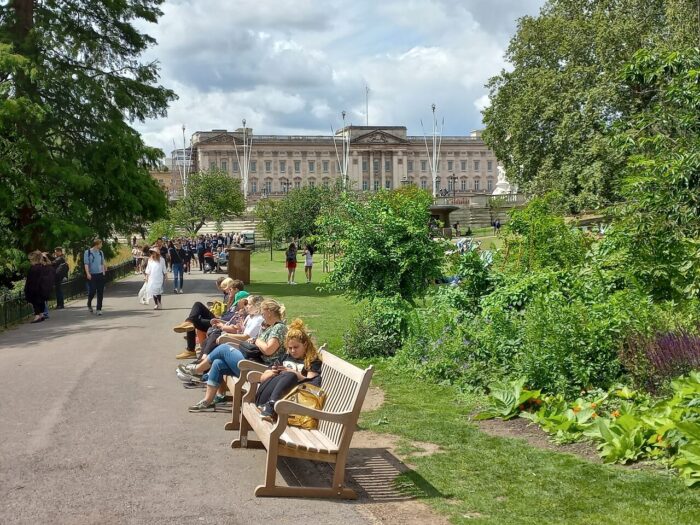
x: 378, y: 330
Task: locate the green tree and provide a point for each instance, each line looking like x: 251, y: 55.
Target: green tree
x: 301, y: 207
x: 386, y: 248
x: 655, y: 236
x: 210, y: 196
x: 269, y: 220
x: 550, y: 113
x: 71, y: 84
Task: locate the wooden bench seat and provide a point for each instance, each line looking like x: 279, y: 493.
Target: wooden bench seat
x: 346, y: 387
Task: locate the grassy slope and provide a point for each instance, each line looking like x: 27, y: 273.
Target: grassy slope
x: 479, y: 478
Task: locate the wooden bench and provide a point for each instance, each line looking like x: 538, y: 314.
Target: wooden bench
x: 346, y: 387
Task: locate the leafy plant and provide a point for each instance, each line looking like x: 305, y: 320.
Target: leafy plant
x: 620, y: 441
x: 506, y: 401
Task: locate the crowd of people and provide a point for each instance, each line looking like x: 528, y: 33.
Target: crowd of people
x: 218, y: 334
x: 250, y: 327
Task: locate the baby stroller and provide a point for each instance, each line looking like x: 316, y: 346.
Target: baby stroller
x: 209, y: 262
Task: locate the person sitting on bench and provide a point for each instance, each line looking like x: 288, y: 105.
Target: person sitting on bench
x: 224, y: 359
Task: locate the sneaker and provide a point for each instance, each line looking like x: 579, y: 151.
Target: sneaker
x: 292, y: 282
x: 181, y: 292
x: 202, y: 406
x: 267, y: 413
x: 188, y: 368
x: 218, y: 398
x: 99, y: 312
x: 187, y: 378
x: 185, y: 354
x: 187, y: 326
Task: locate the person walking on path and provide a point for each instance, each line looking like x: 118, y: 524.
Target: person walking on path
x: 177, y: 262
x: 94, y: 262
x: 37, y: 287
x: 61, y: 266
x: 156, y: 275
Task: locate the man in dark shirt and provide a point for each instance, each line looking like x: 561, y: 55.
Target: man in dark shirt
x: 61, y: 268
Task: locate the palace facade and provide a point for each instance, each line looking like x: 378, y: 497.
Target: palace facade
x: 380, y: 157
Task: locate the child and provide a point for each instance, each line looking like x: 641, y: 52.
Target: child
x: 301, y: 363
x: 308, y: 262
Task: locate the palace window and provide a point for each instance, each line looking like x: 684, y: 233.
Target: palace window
x: 268, y: 166
x: 489, y: 165
x: 376, y: 185
x: 375, y: 166
x: 476, y: 165
x: 424, y: 165
x: 283, y: 166
x: 312, y: 183
x: 365, y: 185
x: 326, y: 183
x: 463, y: 165
x: 224, y: 165
x: 364, y: 165
x: 489, y: 184
x: 387, y: 165
x: 312, y: 166
x: 268, y: 186
x: 253, y: 166
x: 423, y: 184
x: 450, y: 165
x: 254, y: 186
x: 297, y: 183
x: 463, y: 185
x: 212, y: 164
x: 235, y: 166
x: 387, y: 184
x: 297, y: 166
x: 410, y: 165
x: 325, y: 164
x: 476, y: 184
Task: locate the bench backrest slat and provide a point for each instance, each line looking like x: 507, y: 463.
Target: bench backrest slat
x: 343, y: 383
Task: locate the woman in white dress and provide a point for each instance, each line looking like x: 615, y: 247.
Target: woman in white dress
x: 156, y: 275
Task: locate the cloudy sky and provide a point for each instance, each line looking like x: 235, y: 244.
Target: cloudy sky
x: 292, y: 66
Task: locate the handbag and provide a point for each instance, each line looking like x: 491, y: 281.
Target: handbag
x: 307, y: 395
x: 250, y: 351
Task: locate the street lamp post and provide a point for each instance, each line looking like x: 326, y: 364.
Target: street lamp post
x: 453, y: 179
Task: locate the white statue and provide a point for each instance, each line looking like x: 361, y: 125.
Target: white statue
x: 502, y: 185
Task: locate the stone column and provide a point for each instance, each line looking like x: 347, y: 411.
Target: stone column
x: 370, y: 167
x: 381, y: 171
x: 398, y: 171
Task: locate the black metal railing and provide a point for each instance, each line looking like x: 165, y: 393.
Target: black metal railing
x: 14, y: 307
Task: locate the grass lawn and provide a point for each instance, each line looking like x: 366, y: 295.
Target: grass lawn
x: 478, y: 478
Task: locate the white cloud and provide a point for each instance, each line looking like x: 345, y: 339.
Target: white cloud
x: 291, y: 66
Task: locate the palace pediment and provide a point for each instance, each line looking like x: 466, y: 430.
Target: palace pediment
x: 379, y: 137
x: 223, y: 138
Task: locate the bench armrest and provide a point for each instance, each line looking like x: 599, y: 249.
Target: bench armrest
x: 284, y: 408
x: 228, y: 338
x: 247, y: 365
x: 254, y: 376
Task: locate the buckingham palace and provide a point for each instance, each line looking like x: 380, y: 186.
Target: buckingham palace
x: 380, y: 157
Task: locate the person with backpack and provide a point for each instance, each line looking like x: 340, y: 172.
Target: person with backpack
x: 291, y: 262
x: 61, y: 267
x: 94, y: 262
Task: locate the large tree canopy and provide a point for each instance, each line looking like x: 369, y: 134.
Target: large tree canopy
x: 71, y: 83
x: 210, y: 196
x: 550, y: 115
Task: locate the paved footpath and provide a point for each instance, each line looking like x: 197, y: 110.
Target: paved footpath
x: 94, y: 425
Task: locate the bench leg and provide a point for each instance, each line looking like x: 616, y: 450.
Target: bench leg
x: 242, y: 441
x: 237, y: 394
x: 339, y: 474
